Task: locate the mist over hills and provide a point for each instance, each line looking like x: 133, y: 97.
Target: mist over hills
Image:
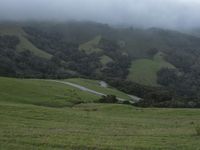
x: 179, y: 14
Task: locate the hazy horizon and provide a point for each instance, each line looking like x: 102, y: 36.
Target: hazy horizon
x: 179, y: 14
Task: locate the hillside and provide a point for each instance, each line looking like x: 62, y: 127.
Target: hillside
x: 102, y: 52
x: 25, y: 44
x: 144, y: 71
x: 38, y: 114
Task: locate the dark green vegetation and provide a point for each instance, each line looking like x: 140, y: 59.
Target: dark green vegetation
x: 108, y: 99
x: 24, y: 44
x: 25, y: 63
x: 41, y: 114
x: 161, y: 66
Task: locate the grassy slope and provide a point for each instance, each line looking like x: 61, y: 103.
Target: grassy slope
x: 91, y: 46
x: 41, y: 92
x: 144, y: 71
x: 24, y: 44
x: 92, y: 84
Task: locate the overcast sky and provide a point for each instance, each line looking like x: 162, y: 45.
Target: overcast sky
x: 146, y: 13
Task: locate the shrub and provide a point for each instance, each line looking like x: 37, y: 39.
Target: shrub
x: 108, y: 99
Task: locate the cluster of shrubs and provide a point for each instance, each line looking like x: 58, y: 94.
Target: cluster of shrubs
x: 108, y: 99
x: 112, y: 99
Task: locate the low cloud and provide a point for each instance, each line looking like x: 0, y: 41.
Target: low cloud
x: 145, y: 13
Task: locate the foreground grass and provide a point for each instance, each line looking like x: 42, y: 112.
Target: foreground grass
x: 94, y: 126
x: 38, y: 114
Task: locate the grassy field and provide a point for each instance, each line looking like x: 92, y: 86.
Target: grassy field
x: 91, y: 46
x: 144, y: 71
x: 24, y: 44
x: 29, y: 122
x: 95, y: 85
